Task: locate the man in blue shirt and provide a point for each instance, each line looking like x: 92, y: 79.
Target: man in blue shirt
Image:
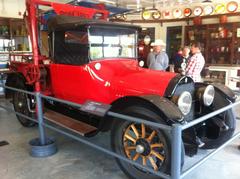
x: 158, y: 59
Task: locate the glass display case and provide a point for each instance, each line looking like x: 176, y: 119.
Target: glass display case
x: 216, y: 76
x: 236, y: 36
x: 13, y: 39
x: 221, y: 42
x: 229, y: 76
x: 196, y: 33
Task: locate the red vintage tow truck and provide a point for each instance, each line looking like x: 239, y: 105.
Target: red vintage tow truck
x: 93, y: 59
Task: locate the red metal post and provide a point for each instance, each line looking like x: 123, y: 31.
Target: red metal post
x: 32, y: 24
x: 31, y: 6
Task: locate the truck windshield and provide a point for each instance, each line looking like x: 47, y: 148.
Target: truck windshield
x: 105, y: 42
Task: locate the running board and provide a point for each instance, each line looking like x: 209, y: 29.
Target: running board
x: 69, y: 123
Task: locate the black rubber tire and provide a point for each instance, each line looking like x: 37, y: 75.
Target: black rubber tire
x: 117, y: 144
x: 21, y: 97
x: 229, y: 119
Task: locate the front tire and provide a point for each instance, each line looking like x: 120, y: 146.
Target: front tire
x: 143, y: 144
x: 215, y: 135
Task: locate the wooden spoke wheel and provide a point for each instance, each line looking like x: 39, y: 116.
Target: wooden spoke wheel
x: 146, y: 145
x: 143, y: 144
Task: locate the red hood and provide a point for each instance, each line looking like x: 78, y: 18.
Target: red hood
x: 126, y: 78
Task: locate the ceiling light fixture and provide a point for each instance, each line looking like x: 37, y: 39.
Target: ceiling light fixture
x: 138, y: 4
x: 207, y: 1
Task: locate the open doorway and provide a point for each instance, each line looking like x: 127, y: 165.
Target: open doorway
x: 174, y: 41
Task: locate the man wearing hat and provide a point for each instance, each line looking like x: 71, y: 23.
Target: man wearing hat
x: 158, y: 59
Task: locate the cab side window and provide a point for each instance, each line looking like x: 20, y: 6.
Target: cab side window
x: 71, y: 47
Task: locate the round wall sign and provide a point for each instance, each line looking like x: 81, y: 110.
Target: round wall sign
x: 208, y: 10
x: 197, y: 11
x: 232, y: 6
x: 156, y: 15
x: 187, y: 12
x: 177, y: 13
x: 220, y: 8
x: 146, y: 15
x: 167, y: 14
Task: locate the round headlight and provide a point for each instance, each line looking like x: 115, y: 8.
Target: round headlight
x: 141, y: 63
x: 208, y: 95
x: 185, y: 102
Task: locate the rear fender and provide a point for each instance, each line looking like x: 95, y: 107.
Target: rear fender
x: 165, y: 108
x: 15, y: 80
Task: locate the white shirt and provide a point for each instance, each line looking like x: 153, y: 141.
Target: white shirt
x: 195, y: 66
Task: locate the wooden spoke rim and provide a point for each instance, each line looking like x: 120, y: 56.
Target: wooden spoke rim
x: 143, y: 145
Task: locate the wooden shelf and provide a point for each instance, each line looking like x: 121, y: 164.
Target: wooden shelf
x: 22, y: 36
x: 214, y: 80
x: 4, y: 36
x: 17, y: 33
x: 220, y: 39
x: 226, y: 37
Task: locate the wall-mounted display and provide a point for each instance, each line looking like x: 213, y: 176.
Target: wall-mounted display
x: 208, y: 10
x: 219, y: 8
x: 197, y: 11
x: 156, y: 15
x: 167, y: 14
x: 187, y: 12
x: 204, y: 10
x: 146, y: 14
x: 177, y: 13
x: 232, y: 6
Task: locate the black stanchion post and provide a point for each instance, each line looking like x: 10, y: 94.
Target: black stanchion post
x: 40, y: 119
x: 176, y: 151
x: 42, y: 146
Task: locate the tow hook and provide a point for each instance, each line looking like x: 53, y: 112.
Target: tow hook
x: 220, y: 123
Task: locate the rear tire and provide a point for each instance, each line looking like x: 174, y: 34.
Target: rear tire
x: 20, y: 104
x: 156, y: 153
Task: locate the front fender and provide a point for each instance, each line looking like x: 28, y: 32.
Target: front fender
x: 226, y: 91
x: 168, y: 108
x: 162, y: 106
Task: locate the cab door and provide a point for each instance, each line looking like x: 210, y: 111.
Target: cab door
x: 68, y: 82
x: 68, y: 74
